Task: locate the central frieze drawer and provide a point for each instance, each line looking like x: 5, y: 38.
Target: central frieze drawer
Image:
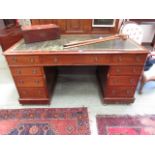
x: 122, y: 80
x: 18, y: 71
x: 75, y: 59
x: 29, y: 81
x: 22, y: 60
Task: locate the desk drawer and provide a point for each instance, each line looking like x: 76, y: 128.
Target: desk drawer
x: 33, y: 92
x: 18, y: 71
x: 129, y: 59
x: 122, y: 80
x: 125, y: 70
x: 22, y: 60
x: 119, y: 92
x: 75, y: 59
x: 29, y: 81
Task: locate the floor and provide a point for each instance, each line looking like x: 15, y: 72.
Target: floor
x: 80, y: 91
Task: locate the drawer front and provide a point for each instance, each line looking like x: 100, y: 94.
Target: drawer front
x: 122, y: 80
x: 22, y: 60
x: 32, y: 92
x: 119, y: 92
x: 125, y: 70
x: 29, y: 81
x: 129, y: 59
x: 75, y: 59
x: 18, y: 71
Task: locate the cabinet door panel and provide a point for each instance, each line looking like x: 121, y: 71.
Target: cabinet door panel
x: 75, y: 26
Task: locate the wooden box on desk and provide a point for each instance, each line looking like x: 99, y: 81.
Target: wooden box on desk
x: 36, y: 33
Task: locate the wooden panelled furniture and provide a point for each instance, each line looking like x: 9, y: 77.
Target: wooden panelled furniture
x: 9, y: 36
x: 77, y: 26
x: 34, y: 66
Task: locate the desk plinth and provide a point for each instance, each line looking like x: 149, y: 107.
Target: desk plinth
x: 124, y: 61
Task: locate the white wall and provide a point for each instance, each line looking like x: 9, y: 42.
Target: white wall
x: 149, y: 31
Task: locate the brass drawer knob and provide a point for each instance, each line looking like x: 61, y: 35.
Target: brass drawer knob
x: 18, y: 71
x: 128, y: 92
x: 117, y: 70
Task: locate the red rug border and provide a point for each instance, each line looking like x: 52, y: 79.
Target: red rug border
x: 69, y: 109
x: 100, y: 118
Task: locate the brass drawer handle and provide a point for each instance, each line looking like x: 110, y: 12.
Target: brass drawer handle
x: 120, y: 59
x: 34, y: 71
x: 96, y: 59
x: 128, y: 92
x: 131, y: 81
x: 14, y: 59
x: 138, y: 58
x: 117, y: 70
x: 37, y: 81
x: 32, y: 60
x: 18, y: 71
x: 55, y: 59
x: 21, y: 82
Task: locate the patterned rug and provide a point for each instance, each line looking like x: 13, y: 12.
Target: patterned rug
x: 126, y: 125
x: 47, y: 121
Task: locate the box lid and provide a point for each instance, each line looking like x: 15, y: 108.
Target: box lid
x: 39, y: 27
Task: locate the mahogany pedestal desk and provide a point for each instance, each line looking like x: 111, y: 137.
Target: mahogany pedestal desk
x: 119, y: 66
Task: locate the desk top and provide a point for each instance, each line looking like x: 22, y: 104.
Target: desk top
x: 57, y: 45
